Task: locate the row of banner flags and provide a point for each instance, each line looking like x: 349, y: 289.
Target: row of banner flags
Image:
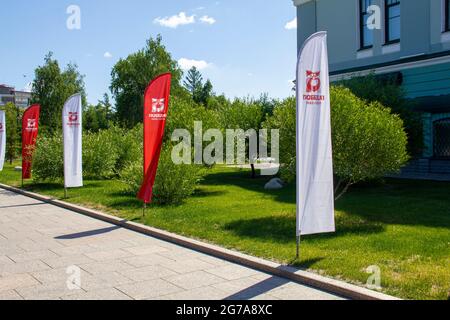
x: 315, y: 192
x: 156, y: 106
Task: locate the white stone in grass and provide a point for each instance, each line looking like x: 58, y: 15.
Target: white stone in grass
x: 18, y: 169
x: 274, y: 184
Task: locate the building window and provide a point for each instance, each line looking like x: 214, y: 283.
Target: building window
x: 447, y: 16
x: 392, y: 21
x: 366, y: 35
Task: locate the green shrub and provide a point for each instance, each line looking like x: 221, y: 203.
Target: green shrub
x: 173, y: 183
x: 99, y: 155
x: 368, y: 141
x: 48, y: 159
x: 127, y: 145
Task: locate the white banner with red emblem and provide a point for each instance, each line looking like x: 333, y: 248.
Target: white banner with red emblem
x: 72, y: 134
x: 2, y: 138
x: 315, y: 192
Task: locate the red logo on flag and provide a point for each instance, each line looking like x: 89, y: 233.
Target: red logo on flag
x: 158, y: 105
x: 31, y: 125
x: 1, y: 127
x: 312, y: 81
x: 73, y: 116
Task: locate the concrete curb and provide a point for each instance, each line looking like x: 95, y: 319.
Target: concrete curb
x: 310, y: 279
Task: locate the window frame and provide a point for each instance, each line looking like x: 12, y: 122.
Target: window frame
x: 387, y: 6
x: 446, y: 16
x: 362, y: 13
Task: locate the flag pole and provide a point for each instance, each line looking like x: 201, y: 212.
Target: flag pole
x: 65, y: 192
x: 298, y: 247
x: 144, y: 208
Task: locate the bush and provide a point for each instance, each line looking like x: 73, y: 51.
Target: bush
x: 386, y: 90
x: 368, y: 141
x: 99, y: 155
x: 173, y: 183
x: 48, y: 162
x: 126, y: 143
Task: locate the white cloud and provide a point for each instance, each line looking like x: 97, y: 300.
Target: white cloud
x: 291, y: 25
x: 208, y: 20
x: 107, y: 55
x: 187, y: 64
x: 175, y: 21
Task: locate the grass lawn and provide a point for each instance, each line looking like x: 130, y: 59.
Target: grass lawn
x: 401, y: 226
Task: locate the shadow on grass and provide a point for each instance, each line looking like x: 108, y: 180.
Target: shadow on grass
x: 282, y: 229
x: 413, y: 203
x: 244, y: 180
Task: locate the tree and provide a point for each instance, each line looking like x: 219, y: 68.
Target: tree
x: 194, y: 81
x: 13, y: 131
x: 132, y: 75
x: 206, y: 93
x: 98, y: 117
x: 52, y: 87
x: 368, y: 140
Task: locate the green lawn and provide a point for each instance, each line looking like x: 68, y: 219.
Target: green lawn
x: 401, y: 226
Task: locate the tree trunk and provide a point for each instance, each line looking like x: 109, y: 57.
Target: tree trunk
x: 253, y: 171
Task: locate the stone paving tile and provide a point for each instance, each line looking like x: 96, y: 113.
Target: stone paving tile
x: 9, y: 296
x: 54, y: 275
x: 194, y: 280
x: 147, y: 273
x: 145, y: 250
x: 102, y: 294
x: 62, y: 262
x: 103, y: 281
x: 5, y: 260
x: 22, y: 267
x: 201, y: 294
x: 51, y: 291
x: 232, y: 272
x: 101, y: 267
x: 148, y: 260
x: 188, y: 265
x: 33, y: 255
x: 107, y: 255
x: 149, y: 289
x: 74, y: 250
x: 15, y: 281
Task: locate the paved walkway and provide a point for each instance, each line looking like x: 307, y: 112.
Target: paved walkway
x: 51, y: 253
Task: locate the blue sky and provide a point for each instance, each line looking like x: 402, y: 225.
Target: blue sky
x: 244, y: 46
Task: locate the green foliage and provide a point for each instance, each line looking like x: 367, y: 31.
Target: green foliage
x: 173, y: 184
x: 52, y: 87
x: 98, y: 117
x: 184, y: 112
x: 100, y: 155
x: 368, y: 141
x: 284, y: 119
x: 127, y: 143
x: 48, y: 164
x: 13, y: 130
x: 387, y: 92
x: 132, y: 75
x: 200, y: 93
x: 242, y: 114
x: 194, y: 81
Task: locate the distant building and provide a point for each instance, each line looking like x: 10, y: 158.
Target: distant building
x: 411, y: 43
x: 9, y: 94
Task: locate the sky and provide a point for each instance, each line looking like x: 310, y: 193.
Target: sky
x: 245, y: 47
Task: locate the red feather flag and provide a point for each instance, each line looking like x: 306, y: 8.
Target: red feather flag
x: 30, y: 127
x: 156, y: 107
